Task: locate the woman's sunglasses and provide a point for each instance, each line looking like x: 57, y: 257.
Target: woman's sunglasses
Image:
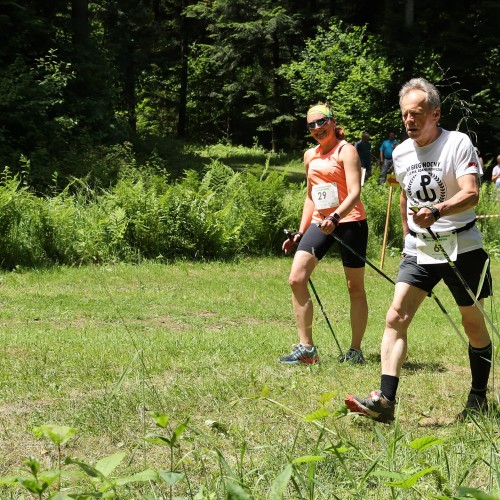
x: 319, y: 123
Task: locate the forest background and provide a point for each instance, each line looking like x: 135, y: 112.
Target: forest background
x: 166, y: 129
x: 86, y: 86
x: 148, y: 131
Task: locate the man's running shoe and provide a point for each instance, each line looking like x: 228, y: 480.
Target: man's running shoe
x: 301, y: 355
x: 376, y: 407
x: 353, y: 356
x: 475, y: 404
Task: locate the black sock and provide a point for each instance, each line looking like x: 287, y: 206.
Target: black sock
x: 480, y: 365
x: 389, y: 386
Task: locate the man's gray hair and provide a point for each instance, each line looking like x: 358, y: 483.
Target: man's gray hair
x: 431, y: 92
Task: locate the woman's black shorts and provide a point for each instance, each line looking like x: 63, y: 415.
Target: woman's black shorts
x: 354, y: 234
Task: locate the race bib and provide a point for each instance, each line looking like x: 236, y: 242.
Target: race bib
x: 429, y: 252
x: 325, y: 196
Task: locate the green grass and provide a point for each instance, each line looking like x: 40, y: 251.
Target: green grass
x: 256, y: 159
x: 99, y: 348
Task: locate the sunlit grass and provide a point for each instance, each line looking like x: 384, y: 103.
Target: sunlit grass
x: 98, y: 348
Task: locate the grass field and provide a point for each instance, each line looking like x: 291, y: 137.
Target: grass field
x: 100, y: 348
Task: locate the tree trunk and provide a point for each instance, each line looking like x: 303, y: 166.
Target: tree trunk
x: 80, y: 22
x: 275, y: 87
x: 129, y: 94
x: 409, y: 13
x: 183, y: 77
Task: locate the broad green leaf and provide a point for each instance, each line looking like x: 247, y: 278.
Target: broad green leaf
x: 89, y: 470
x: 171, y: 477
x: 58, y: 434
x: 326, y: 397
x: 145, y: 475
x: 307, y: 459
x: 49, y: 476
x: 161, y: 420
x: 8, y: 480
x: 265, y: 391
x: 32, y: 485
x: 108, y: 464
x: 33, y: 464
x: 179, y: 430
x: 341, y: 411
x: 425, y: 442
x: 409, y: 481
x: 316, y: 415
x: 158, y: 440
x: 280, y: 483
x: 337, y: 449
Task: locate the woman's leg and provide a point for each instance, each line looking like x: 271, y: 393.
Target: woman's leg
x: 302, y: 267
x: 355, y: 278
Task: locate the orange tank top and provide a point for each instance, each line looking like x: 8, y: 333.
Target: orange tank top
x: 328, y: 185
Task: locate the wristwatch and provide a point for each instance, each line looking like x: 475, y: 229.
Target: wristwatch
x: 335, y: 218
x: 435, y: 211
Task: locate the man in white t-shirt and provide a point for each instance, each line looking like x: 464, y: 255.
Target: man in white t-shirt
x: 495, y: 174
x: 439, y: 173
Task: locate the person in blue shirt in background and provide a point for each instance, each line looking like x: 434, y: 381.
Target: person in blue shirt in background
x: 386, y: 150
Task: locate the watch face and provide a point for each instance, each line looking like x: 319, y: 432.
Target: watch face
x: 336, y: 216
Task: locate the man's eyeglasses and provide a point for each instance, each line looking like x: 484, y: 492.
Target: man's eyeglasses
x: 319, y: 123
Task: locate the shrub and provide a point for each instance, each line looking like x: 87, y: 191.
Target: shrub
x: 489, y: 226
x: 375, y: 199
x: 219, y: 213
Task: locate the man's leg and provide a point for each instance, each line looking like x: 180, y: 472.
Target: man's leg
x: 406, y: 301
x: 390, y: 168
x: 380, y: 404
x: 383, y: 171
x: 368, y: 168
x: 480, y: 356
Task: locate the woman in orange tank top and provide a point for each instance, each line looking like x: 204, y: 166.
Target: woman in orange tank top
x: 332, y: 204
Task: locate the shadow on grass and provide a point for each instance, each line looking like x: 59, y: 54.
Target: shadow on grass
x: 174, y: 155
x: 286, y: 164
x: 410, y: 366
x: 414, y: 366
x: 178, y: 156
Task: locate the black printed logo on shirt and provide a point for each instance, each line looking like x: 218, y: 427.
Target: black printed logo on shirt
x: 426, y: 187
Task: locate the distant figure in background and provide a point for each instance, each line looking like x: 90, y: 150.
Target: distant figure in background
x: 386, y: 150
x: 495, y: 174
x: 364, y: 149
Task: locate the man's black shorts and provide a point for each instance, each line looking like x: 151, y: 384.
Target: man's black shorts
x: 354, y: 234
x: 427, y: 276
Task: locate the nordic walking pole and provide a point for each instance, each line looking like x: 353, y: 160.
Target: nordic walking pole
x: 386, y: 228
x: 458, y: 274
x: 324, y: 314
x: 375, y: 268
x: 290, y: 237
